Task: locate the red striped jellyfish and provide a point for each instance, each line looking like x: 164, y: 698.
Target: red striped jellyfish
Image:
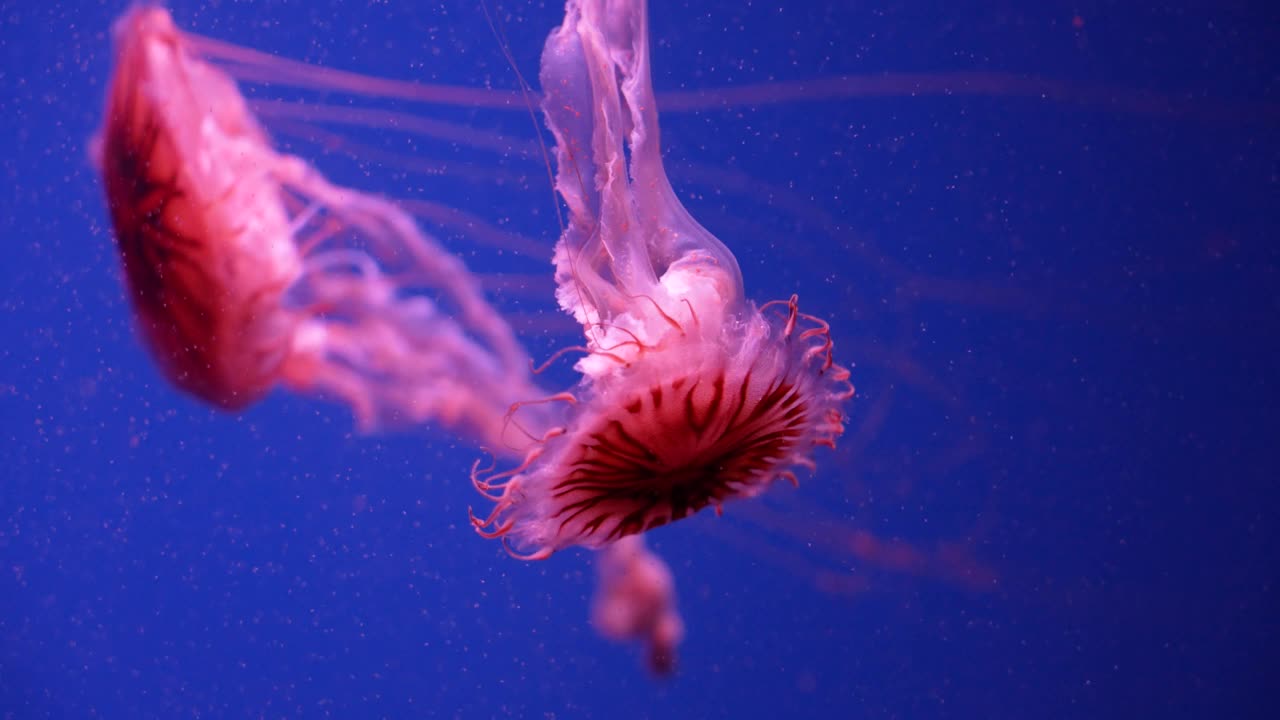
x: 691, y: 395
x: 247, y: 268
x: 635, y: 600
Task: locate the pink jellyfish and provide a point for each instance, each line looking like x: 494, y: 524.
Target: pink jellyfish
x: 691, y: 394
x: 636, y: 600
x: 247, y: 268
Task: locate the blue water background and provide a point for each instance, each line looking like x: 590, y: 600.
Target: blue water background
x: 1065, y: 309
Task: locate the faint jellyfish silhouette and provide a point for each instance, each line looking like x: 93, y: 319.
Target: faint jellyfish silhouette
x: 691, y: 394
x: 635, y: 600
x: 247, y: 268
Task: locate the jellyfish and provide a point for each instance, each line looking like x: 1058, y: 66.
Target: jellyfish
x: 691, y: 395
x: 635, y: 601
x: 248, y: 269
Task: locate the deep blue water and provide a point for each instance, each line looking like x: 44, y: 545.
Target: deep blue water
x: 1061, y: 312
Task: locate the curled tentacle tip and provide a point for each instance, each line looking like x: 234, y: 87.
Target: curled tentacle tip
x: 498, y: 532
x: 541, y: 554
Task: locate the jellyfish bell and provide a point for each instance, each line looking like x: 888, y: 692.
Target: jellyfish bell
x: 247, y: 268
x: 691, y: 394
x: 174, y: 179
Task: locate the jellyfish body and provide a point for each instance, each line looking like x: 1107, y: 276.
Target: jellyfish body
x: 691, y: 395
x: 248, y: 269
x: 635, y: 600
x: 179, y: 173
